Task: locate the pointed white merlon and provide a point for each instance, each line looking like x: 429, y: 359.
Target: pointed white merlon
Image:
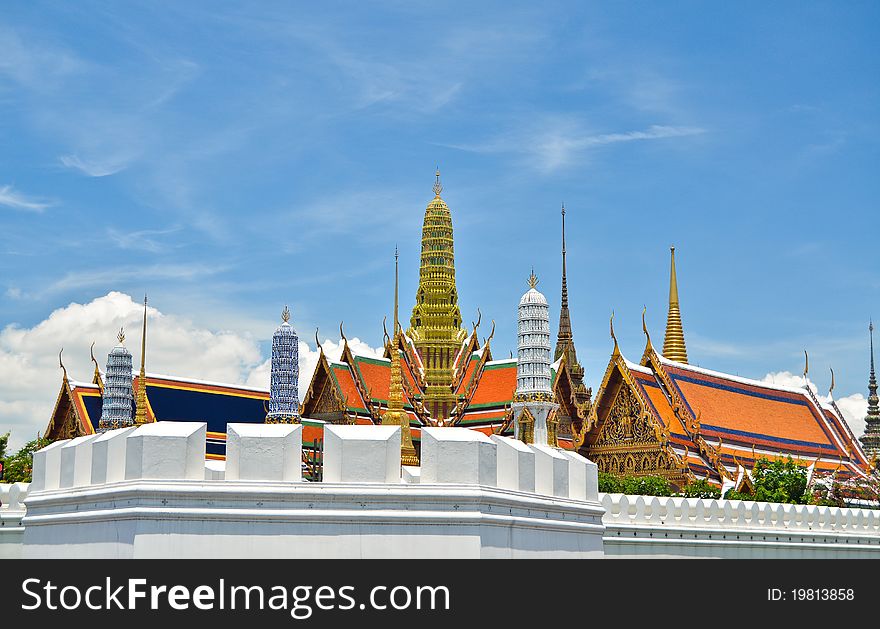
x: 108, y: 456
x: 361, y: 454
x: 76, y: 462
x: 264, y: 452
x: 516, y: 464
x: 583, y: 477
x: 47, y: 467
x: 551, y: 471
x: 410, y: 474
x: 166, y: 450
x: 215, y: 470
x: 458, y: 455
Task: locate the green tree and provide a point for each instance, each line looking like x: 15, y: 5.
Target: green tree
x: 700, y: 489
x: 19, y: 466
x: 4, y: 441
x: 776, y: 481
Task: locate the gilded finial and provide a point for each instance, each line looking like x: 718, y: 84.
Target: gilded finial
x: 438, y: 187
x: 479, y: 319
x: 533, y: 279
x: 342, y: 332
x: 285, y: 314
x: 831, y: 388
x: 385, y: 336
x: 806, y: 366
x: 61, y: 364
x: 645, y: 325
x: 491, y: 334
x: 120, y: 336
x: 318, y: 342
x: 611, y: 325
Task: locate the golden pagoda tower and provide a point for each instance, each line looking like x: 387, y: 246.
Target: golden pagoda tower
x: 141, y: 405
x: 673, y: 343
x: 435, y: 325
x: 395, y: 415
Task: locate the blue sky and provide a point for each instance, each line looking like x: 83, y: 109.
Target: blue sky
x: 228, y: 158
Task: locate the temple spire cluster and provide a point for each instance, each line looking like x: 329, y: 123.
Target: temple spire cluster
x: 871, y: 439
x: 673, y: 343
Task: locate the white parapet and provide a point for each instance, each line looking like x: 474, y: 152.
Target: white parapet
x: 264, y: 452
x: 458, y: 455
x: 551, y: 471
x: 108, y: 456
x: 215, y: 470
x: 410, y: 474
x: 47, y: 467
x: 516, y: 464
x: 361, y: 454
x: 76, y: 462
x: 583, y: 477
x: 166, y: 450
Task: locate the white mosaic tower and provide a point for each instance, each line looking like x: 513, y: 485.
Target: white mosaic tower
x: 534, y: 409
x: 116, y: 404
x: 284, y: 385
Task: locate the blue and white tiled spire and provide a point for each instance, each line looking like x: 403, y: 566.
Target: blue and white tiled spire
x: 534, y: 409
x: 116, y: 405
x: 284, y: 385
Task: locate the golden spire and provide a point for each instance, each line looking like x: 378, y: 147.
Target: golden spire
x: 395, y: 415
x: 285, y: 315
x: 435, y: 324
x: 141, y: 406
x: 533, y: 279
x: 673, y: 343
x: 96, y: 377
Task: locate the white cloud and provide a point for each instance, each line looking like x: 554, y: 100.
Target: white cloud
x: 854, y: 407
x: 30, y: 377
x: 17, y: 201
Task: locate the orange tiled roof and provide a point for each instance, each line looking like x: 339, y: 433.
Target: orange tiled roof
x: 497, y: 384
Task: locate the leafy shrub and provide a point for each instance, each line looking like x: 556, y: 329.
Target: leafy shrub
x: 700, y: 489
x: 634, y: 485
x: 19, y: 467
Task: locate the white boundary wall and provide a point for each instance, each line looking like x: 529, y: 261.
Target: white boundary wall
x: 648, y: 526
x: 12, y: 511
x: 368, y: 505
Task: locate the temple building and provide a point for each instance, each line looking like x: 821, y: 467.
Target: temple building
x: 449, y: 377
x: 662, y: 416
x: 79, y: 407
x: 871, y: 439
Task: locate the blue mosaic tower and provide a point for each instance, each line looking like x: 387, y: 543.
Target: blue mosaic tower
x: 118, y: 395
x: 284, y: 384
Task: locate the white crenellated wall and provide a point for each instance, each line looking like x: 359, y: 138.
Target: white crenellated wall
x: 650, y: 526
x: 473, y: 496
x: 12, y: 510
x: 162, y: 499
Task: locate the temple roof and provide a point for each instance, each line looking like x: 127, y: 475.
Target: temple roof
x: 740, y: 419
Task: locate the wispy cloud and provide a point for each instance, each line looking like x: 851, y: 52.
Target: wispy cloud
x: 113, y: 277
x: 142, y: 240
x: 92, y: 168
x: 17, y: 201
x: 558, y: 142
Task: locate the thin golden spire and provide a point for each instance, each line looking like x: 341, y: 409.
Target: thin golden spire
x: 673, y: 343
x: 533, y: 279
x: 141, y: 406
x: 396, y: 415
